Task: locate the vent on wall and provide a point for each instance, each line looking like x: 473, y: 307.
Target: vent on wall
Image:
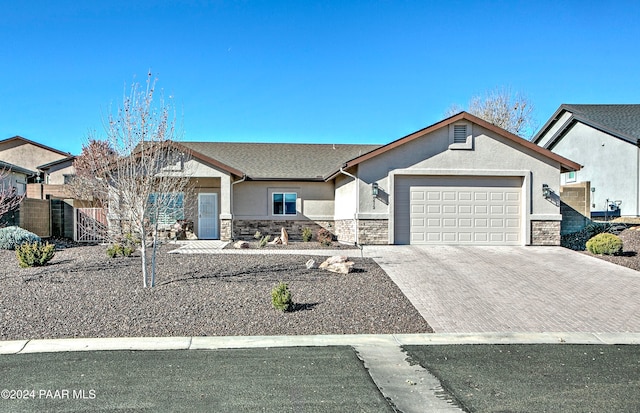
x: 459, y: 133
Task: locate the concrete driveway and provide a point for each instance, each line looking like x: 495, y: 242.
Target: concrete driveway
x: 513, y: 289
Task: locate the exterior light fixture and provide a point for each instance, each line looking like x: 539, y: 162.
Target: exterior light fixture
x: 545, y: 191
x: 374, y: 189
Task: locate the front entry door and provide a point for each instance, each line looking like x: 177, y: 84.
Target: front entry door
x: 208, y: 216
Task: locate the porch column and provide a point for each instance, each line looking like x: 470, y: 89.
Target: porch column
x: 225, y: 207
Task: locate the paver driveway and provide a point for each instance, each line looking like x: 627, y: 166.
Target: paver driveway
x: 513, y: 289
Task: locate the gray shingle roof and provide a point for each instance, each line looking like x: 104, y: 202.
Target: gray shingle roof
x: 623, y: 119
x: 281, y: 160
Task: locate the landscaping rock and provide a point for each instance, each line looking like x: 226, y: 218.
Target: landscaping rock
x: 311, y: 264
x: 284, y: 237
x: 333, y: 260
x: 240, y: 244
x: 340, y: 267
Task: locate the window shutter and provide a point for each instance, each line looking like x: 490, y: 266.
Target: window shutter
x: 459, y: 133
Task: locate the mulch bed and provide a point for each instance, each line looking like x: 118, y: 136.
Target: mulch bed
x: 83, y: 293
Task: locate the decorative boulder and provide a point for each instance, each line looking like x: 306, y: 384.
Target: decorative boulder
x: 284, y: 237
x: 311, y: 264
x: 337, y: 264
x: 240, y: 244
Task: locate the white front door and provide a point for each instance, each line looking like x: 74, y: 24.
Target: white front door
x: 208, y: 216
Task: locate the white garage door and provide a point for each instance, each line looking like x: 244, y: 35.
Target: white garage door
x: 458, y: 210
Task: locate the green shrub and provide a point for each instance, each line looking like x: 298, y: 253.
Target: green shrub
x: 263, y: 241
x: 13, y: 237
x: 257, y: 235
x: 604, y: 243
x: 324, y: 237
x: 116, y: 249
x: 281, y: 297
x: 35, y: 254
x: 307, y: 234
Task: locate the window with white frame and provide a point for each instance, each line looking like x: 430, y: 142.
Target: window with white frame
x: 166, y: 208
x: 570, y: 176
x: 284, y: 203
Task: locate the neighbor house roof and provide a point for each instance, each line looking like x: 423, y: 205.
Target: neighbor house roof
x: 622, y: 121
x: 6, y: 166
x: 274, y: 161
x: 566, y: 164
x: 25, y: 140
x: 54, y: 163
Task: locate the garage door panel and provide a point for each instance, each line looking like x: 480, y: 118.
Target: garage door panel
x: 459, y: 210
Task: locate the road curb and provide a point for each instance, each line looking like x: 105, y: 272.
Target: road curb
x: 222, y: 342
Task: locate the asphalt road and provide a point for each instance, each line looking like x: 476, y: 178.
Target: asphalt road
x: 301, y: 379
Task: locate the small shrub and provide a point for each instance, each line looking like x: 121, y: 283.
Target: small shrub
x: 604, y: 243
x: 263, y: 241
x: 281, y: 297
x: 114, y: 250
x: 35, y: 254
x: 257, y: 235
x: 324, y: 237
x: 307, y: 234
x: 13, y: 237
x: 127, y: 250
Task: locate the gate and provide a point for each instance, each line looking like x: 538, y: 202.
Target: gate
x: 90, y: 225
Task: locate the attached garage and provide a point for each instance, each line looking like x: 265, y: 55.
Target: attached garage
x: 459, y: 210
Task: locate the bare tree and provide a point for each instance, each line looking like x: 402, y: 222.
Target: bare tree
x: 501, y: 107
x: 9, y: 198
x: 140, y: 171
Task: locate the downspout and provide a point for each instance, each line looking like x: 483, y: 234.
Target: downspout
x: 244, y: 178
x: 357, y: 211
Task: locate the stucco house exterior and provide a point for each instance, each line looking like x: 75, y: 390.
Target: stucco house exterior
x: 48, y: 167
x: 605, y: 141
x: 458, y: 181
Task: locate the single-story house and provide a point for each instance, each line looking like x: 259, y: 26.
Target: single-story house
x: 459, y: 181
x: 605, y: 140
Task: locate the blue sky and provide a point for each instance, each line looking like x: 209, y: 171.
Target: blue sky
x: 305, y: 71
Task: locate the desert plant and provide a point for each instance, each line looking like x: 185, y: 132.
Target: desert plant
x: 307, y: 234
x: 13, y: 237
x: 35, y: 254
x: 263, y: 241
x: 281, y: 297
x: 324, y: 236
x: 604, y: 243
x: 257, y: 235
x: 114, y: 250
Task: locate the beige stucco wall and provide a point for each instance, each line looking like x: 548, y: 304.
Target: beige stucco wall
x: 14, y: 180
x: 345, y: 196
x: 252, y: 200
x: 490, y: 153
x: 27, y: 155
x: 56, y: 174
x: 609, y: 163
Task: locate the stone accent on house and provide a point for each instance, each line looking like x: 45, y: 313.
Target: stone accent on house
x: 373, y: 231
x: 245, y: 229
x: 345, y: 230
x: 545, y: 232
x: 225, y: 229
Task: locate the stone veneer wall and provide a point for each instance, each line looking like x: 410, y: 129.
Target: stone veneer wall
x: 345, y: 230
x: 373, y: 231
x: 545, y: 232
x: 245, y: 229
x: 225, y: 229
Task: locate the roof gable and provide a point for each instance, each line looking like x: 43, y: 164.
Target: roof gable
x: 21, y: 140
x: 621, y: 121
x: 565, y: 163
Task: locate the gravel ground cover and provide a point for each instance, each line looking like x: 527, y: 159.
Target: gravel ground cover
x: 631, y: 246
x: 311, y: 245
x: 83, y: 293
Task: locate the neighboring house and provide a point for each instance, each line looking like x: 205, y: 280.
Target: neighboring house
x: 459, y: 181
x: 14, y: 177
x: 605, y: 140
x: 49, y: 168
